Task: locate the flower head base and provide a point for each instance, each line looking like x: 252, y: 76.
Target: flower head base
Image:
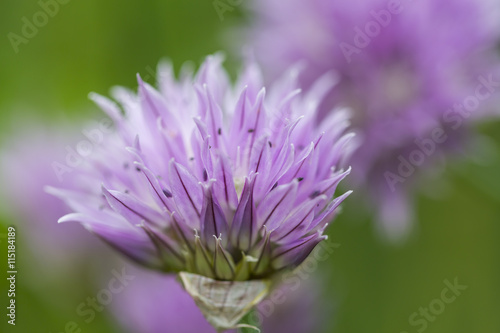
x: 220, y: 181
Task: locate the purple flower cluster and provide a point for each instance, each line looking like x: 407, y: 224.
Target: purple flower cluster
x: 25, y: 168
x: 409, y: 70
x: 221, y: 180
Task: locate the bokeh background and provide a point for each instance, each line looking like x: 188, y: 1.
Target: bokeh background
x: 367, y: 285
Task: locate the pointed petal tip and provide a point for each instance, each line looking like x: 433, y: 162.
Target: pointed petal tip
x: 57, y: 192
x: 72, y: 217
x: 139, y: 79
x: 63, y: 220
x: 93, y: 96
x: 139, y: 164
x: 261, y: 96
x: 349, y: 136
x: 49, y: 189
x: 165, y: 63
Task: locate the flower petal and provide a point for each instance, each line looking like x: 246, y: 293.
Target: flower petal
x: 187, y: 194
x: 213, y: 221
x: 133, y: 210
x: 293, y: 254
x: 244, y: 226
x: 276, y: 206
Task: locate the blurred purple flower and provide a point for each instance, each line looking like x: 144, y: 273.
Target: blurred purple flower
x: 26, y: 166
x: 157, y: 301
x: 220, y: 181
x: 403, y: 67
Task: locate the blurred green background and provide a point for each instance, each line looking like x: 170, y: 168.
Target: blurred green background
x: 93, y: 45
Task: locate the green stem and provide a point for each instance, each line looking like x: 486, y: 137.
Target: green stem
x: 250, y: 322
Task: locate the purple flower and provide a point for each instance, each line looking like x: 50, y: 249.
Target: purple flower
x: 407, y: 71
x: 156, y: 302
x: 26, y: 165
x: 209, y: 178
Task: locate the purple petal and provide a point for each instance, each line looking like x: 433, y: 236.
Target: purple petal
x: 325, y: 216
x: 276, y: 206
x: 244, y: 226
x: 293, y: 254
x: 224, y: 188
x: 297, y: 223
x: 213, y: 221
x: 133, y: 210
x: 129, y: 240
x: 187, y: 193
x: 213, y: 119
x: 162, y: 196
